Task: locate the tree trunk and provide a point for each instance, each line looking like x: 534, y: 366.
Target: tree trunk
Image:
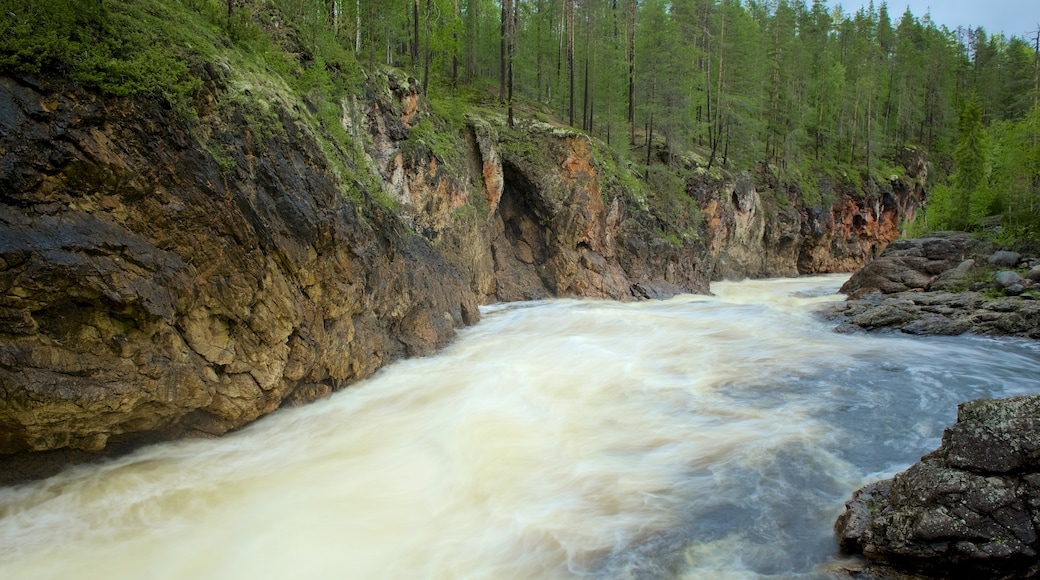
x: 716, y: 135
x: 539, y: 10
x: 415, y: 34
x: 455, y: 49
x: 426, y: 59
x: 631, y: 57
x: 357, y: 34
x: 569, y: 23
x: 511, y: 49
x: 585, y: 90
x: 502, y: 50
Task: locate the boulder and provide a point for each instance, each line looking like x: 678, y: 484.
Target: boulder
x: 1004, y: 259
x: 1007, y: 278
x: 914, y: 264
x: 1034, y: 274
x: 968, y: 509
x: 934, y: 286
x: 953, y: 278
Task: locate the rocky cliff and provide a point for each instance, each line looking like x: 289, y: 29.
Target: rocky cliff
x: 967, y: 510
x: 165, y: 274
x: 151, y: 287
x: 756, y: 227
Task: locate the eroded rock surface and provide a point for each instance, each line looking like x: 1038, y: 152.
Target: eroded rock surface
x: 164, y: 277
x: 161, y: 277
x: 932, y: 286
x: 970, y: 509
x: 150, y: 288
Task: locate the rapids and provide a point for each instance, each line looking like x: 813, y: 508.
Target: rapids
x: 698, y: 437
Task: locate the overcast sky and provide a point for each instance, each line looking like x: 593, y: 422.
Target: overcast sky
x: 1012, y: 17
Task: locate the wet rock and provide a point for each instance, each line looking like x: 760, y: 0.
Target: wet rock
x: 153, y: 291
x: 163, y: 278
x: 966, y: 509
x: 1034, y: 274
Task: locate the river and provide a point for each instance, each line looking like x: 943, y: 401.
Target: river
x: 698, y: 437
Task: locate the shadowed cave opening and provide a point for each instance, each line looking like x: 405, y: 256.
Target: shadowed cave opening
x: 519, y: 239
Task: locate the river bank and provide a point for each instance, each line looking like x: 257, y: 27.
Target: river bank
x: 948, y: 283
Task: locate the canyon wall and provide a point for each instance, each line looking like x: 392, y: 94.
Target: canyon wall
x: 166, y: 275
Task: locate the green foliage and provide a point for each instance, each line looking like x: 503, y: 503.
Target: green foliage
x: 972, y: 198
x: 666, y: 195
x: 118, y: 47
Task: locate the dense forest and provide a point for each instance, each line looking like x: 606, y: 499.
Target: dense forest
x: 794, y: 89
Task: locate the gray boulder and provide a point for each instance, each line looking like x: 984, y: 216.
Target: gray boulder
x: 970, y: 509
x: 1004, y: 258
x: 915, y: 264
x: 1007, y: 278
x: 954, y: 278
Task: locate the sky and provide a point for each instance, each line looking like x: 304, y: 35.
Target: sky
x: 1012, y: 17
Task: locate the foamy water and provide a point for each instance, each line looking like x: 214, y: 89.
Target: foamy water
x: 699, y: 437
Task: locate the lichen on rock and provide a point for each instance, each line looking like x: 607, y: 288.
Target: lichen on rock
x: 966, y: 510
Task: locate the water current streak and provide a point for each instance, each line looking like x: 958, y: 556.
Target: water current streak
x: 692, y: 438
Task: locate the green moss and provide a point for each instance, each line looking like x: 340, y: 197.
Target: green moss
x: 122, y: 48
x: 442, y: 139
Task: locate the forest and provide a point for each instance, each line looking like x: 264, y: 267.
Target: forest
x: 799, y: 90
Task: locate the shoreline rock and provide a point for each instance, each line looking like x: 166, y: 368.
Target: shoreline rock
x: 970, y: 509
x: 942, y: 284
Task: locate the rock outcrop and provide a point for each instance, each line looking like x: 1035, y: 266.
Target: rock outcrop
x: 942, y: 284
x: 166, y: 275
x: 151, y: 288
x: 767, y: 231
x: 970, y: 509
x: 163, y: 277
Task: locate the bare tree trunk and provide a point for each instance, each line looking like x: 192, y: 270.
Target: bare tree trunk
x: 426, y: 59
x: 455, y: 49
x: 631, y: 56
x: 539, y: 9
x: 357, y: 34
x: 569, y: 23
x: 716, y: 137
x: 585, y: 91
x: 415, y: 33
x: 503, y: 49
x: 511, y: 50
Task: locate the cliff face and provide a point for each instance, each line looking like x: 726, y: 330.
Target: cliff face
x: 756, y: 232
x: 163, y: 276
x: 526, y: 212
x: 147, y: 289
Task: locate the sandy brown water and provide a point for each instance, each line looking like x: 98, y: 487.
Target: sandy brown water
x: 699, y: 437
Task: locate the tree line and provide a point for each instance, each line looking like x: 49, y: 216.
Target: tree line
x: 789, y: 85
x: 796, y: 85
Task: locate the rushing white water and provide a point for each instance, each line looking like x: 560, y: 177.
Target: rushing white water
x: 699, y: 437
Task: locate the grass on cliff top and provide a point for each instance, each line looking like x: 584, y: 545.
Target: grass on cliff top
x: 118, y: 47
x: 163, y: 49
